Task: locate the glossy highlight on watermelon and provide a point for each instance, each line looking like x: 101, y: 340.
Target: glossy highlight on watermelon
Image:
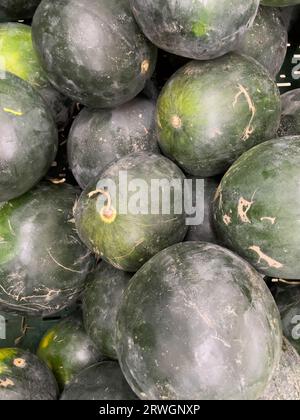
x: 28, y: 137
x: 201, y: 30
x: 101, y: 299
x: 210, y: 112
x: 99, y: 137
x: 128, y: 229
x: 43, y: 264
x: 257, y: 207
x: 114, y: 67
x: 100, y: 382
x: 198, y: 323
x: 24, y: 377
x: 67, y: 349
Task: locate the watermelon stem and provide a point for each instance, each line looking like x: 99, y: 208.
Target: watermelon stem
x: 107, y: 213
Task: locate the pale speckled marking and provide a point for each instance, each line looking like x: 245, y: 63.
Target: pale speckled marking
x: 226, y: 219
x: 243, y: 207
x: 5, y: 383
x: 270, y: 261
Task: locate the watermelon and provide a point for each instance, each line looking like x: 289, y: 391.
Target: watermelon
x: 201, y: 30
x: 267, y: 40
x: 67, y: 349
x: 98, y: 137
x: 288, y: 300
x: 94, y: 51
x: 205, y: 230
x: 26, y: 332
x: 131, y: 212
x: 18, y: 57
x: 28, y: 137
x: 101, y: 298
x: 257, y: 207
x: 17, y: 9
x: 280, y: 3
x: 100, y: 382
x: 290, y: 117
x: 24, y: 377
x: 285, y: 384
x: 43, y: 264
x: 198, y: 322
x: 210, y: 112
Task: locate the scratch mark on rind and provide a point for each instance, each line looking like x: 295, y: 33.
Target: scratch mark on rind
x: 5, y: 383
x: 270, y: 261
x: 61, y: 265
x: 243, y: 207
x: 249, y: 129
x: 270, y: 219
x: 226, y: 219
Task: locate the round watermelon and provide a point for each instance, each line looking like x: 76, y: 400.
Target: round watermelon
x: 98, y: 137
x: 288, y: 301
x: 285, y: 384
x: 290, y: 117
x: 203, y: 231
x: 196, y: 323
x: 11, y: 10
x: 93, y: 51
x: 18, y: 57
x: 101, y: 299
x: 132, y: 210
x: 210, y: 112
x: 28, y: 137
x: 100, y: 382
x: 43, y: 264
x: 24, y: 377
x: 257, y: 207
x: 267, y: 40
x: 195, y: 29
x: 67, y: 349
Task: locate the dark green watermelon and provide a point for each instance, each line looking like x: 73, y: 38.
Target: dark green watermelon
x: 101, y: 298
x: 94, y: 51
x: 43, y: 264
x: 290, y: 117
x: 195, y: 29
x: 67, y: 349
x: 198, y: 322
x: 285, y: 384
x: 267, y: 40
x: 11, y: 10
x: 280, y: 3
x: 27, y: 332
x: 100, y: 382
x: 210, y: 112
x: 24, y: 377
x: 288, y: 301
x: 122, y: 216
x: 28, y: 137
x: 98, y: 137
x: 205, y: 230
x: 18, y: 57
x: 257, y: 207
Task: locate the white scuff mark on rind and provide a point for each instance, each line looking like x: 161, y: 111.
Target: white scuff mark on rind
x: 5, y: 383
x: 243, y: 207
x: 270, y: 219
x: 249, y: 129
x: 226, y: 219
x: 176, y: 122
x: 218, y: 195
x: 270, y: 261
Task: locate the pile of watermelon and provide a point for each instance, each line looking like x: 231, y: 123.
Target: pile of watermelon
x: 149, y: 200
